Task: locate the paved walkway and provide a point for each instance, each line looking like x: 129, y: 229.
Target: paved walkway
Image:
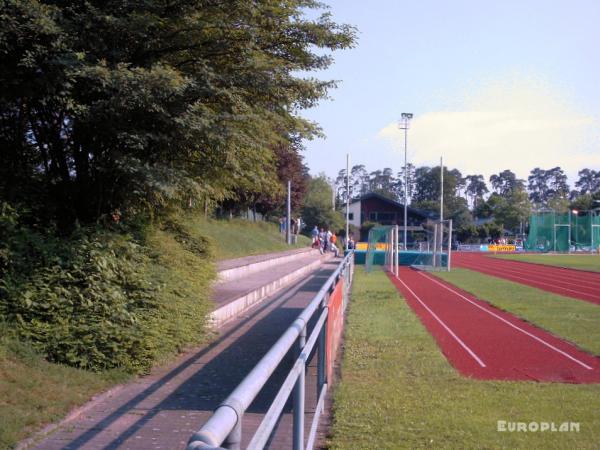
x: 162, y: 410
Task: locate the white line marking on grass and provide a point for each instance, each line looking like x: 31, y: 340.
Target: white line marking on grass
x: 540, y: 340
x: 462, y: 344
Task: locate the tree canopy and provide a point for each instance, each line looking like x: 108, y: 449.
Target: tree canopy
x: 136, y: 105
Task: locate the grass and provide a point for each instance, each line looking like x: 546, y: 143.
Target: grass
x: 236, y: 238
x: 34, y: 392
x: 399, y: 391
x: 581, y: 262
x: 575, y: 320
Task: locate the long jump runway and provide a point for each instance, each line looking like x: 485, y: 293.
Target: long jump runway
x: 568, y: 282
x: 483, y: 342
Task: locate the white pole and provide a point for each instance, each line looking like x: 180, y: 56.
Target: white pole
x: 288, y: 221
x: 441, y: 242
x: 449, y: 244
x: 441, y: 189
x: 405, y: 179
x: 347, y: 198
x: 435, y: 237
x: 396, y: 258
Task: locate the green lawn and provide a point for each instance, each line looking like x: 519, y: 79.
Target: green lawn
x: 581, y: 262
x: 575, y: 320
x: 34, y: 392
x: 399, y: 391
x: 235, y: 238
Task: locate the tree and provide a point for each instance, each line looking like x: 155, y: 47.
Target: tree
x: 317, y: 206
x: 359, y: 180
x: 382, y: 182
x: 138, y: 105
x: 589, y: 181
x: 399, y: 184
x: 428, y: 189
x: 475, y: 189
x: 546, y: 186
x: 290, y: 167
x: 505, y: 182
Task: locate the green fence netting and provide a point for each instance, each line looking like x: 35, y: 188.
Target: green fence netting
x: 377, y: 235
x: 550, y: 231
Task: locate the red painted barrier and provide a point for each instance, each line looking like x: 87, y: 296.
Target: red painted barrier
x: 335, y: 327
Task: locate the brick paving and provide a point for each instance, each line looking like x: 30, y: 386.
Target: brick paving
x: 163, y: 409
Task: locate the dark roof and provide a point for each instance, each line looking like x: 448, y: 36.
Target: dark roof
x: 414, y: 211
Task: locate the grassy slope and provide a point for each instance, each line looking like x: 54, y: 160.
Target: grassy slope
x: 581, y: 262
x: 575, y: 320
x: 236, y: 238
x: 399, y: 391
x: 34, y: 392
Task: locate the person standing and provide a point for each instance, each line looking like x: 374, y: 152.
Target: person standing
x: 333, y: 242
x: 315, y: 235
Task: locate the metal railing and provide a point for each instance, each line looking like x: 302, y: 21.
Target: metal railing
x: 223, y: 430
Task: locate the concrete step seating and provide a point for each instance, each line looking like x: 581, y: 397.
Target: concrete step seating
x: 245, y: 282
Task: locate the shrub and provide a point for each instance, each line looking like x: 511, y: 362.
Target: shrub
x: 102, y: 299
x: 88, y: 309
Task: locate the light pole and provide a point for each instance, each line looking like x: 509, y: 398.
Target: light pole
x: 404, y: 126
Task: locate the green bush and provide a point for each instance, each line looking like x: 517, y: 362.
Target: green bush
x: 102, y: 299
x: 88, y: 310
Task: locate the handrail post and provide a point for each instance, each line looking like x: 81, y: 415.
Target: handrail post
x: 298, y: 432
x: 234, y: 440
x: 321, y: 354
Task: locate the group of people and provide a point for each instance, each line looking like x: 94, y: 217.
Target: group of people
x: 324, y: 240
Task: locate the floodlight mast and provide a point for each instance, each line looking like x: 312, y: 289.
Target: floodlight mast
x: 404, y: 124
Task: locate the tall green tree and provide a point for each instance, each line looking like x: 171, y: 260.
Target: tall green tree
x: 475, y: 189
x: 505, y: 182
x: 140, y: 105
x: 318, y: 209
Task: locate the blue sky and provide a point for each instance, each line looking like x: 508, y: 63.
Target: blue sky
x: 493, y: 85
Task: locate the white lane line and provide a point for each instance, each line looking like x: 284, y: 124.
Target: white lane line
x: 540, y: 340
x: 461, y: 343
x: 538, y: 269
x: 591, y: 284
x: 500, y: 271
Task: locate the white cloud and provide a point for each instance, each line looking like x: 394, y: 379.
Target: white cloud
x: 517, y: 124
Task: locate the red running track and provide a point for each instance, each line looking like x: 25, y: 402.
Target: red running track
x: 483, y: 342
x: 568, y: 282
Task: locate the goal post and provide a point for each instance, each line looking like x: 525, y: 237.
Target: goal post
x: 437, y: 253
x: 382, y: 248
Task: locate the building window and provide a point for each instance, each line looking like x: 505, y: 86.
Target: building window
x: 373, y: 216
x: 350, y: 216
x: 386, y: 216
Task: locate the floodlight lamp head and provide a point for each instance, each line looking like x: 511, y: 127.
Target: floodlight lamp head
x: 406, y: 116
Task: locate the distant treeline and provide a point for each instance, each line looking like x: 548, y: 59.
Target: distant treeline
x: 507, y: 199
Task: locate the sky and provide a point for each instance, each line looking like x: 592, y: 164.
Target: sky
x: 492, y: 86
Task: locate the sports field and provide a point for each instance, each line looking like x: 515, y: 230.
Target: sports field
x: 581, y: 262
x: 443, y: 368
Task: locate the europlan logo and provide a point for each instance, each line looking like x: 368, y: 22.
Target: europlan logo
x: 506, y: 426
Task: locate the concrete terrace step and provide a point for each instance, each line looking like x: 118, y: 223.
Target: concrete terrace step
x: 233, y: 297
x: 232, y: 269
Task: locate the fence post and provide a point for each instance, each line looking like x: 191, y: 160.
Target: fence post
x: 234, y: 439
x: 298, y: 432
x: 321, y: 354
